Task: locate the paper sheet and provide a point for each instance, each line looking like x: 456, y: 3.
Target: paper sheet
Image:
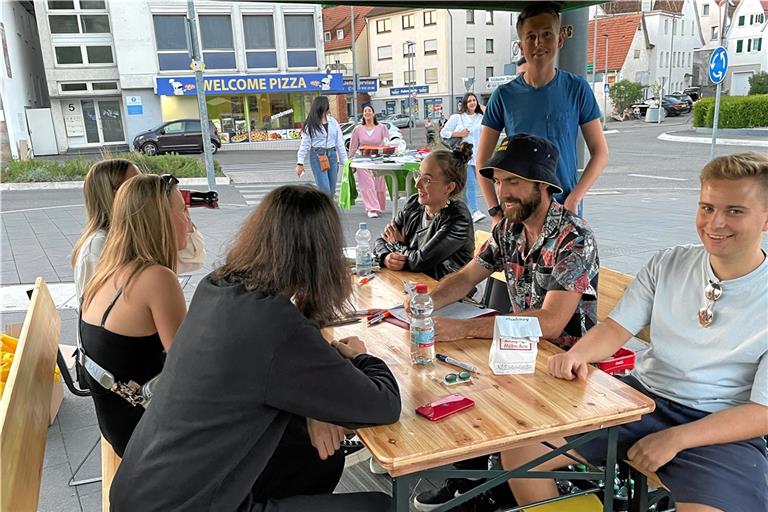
x: 457, y: 311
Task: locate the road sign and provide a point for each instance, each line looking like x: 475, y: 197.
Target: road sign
x: 606, y: 87
x: 718, y: 65
x: 494, y: 81
x: 590, y: 67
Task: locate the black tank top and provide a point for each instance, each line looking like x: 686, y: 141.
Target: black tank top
x: 136, y: 358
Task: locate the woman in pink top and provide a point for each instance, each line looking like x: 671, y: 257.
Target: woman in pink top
x: 372, y: 189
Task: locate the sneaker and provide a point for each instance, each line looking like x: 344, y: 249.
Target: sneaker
x: 373, y: 215
x: 477, y: 216
x: 375, y: 467
x: 434, y: 498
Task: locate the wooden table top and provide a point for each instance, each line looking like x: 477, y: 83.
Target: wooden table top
x: 510, y: 410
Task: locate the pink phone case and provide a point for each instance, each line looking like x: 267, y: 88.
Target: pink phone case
x: 445, y: 406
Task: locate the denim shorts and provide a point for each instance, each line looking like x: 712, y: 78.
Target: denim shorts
x: 732, y: 477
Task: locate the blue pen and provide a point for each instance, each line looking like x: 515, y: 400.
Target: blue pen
x: 444, y: 358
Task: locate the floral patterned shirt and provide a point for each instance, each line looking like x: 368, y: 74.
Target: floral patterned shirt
x: 563, y: 258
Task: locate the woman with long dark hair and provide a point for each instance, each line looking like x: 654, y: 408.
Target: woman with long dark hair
x: 372, y: 188
x: 251, y: 387
x: 467, y: 124
x: 322, y: 140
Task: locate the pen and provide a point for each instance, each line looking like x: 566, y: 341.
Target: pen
x: 444, y: 358
x: 343, y: 321
x: 408, y: 288
x: 378, y: 318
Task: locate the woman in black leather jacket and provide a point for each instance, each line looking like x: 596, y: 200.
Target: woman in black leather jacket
x: 433, y: 234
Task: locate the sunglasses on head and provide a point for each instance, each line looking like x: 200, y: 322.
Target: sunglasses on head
x: 712, y: 292
x: 168, y: 181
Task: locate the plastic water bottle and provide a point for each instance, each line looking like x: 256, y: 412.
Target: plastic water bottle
x: 363, y: 256
x: 422, y: 327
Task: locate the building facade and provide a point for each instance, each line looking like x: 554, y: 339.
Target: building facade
x: 747, y: 45
x: 22, y: 76
x: 434, y: 56
x: 115, y: 69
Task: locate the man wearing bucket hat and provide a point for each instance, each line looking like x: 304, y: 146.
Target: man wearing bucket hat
x: 547, y: 254
x: 549, y: 259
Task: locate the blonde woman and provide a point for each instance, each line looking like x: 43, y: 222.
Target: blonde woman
x: 99, y: 188
x: 133, y: 304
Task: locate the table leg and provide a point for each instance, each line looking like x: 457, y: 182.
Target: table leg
x: 610, y: 468
x: 395, y: 194
x: 401, y: 493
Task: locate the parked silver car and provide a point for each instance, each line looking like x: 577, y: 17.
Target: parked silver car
x: 400, y: 120
x: 395, y: 135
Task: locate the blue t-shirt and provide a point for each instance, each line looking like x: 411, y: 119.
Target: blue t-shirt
x: 554, y: 112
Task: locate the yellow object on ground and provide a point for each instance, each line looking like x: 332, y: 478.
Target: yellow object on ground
x: 583, y: 503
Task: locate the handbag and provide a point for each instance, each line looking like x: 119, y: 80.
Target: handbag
x: 192, y: 257
x: 325, y: 163
x: 453, y: 142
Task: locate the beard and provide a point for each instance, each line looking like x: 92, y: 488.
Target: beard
x: 522, y: 210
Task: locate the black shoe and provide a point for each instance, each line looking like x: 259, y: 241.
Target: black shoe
x: 453, y: 487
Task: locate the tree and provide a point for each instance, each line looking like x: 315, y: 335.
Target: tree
x: 758, y: 83
x: 625, y: 93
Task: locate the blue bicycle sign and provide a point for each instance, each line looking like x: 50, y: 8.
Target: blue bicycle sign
x: 718, y: 65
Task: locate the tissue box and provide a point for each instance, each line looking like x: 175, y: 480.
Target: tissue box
x: 515, y: 345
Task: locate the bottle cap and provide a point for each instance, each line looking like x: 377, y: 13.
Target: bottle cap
x: 363, y: 225
x: 421, y: 288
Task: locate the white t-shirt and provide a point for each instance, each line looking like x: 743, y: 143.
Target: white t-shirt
x: 705, y: 368
x: 87, y: 258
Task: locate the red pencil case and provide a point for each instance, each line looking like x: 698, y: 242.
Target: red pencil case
x: 621, y: 361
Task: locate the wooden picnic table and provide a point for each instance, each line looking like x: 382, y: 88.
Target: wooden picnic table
x: 509, y: 411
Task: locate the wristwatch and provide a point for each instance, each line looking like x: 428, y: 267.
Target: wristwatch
x: 495, y: 210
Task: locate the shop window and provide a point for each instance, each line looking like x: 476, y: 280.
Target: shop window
x: 99, y: 54
x: 68, y: 55
x: 489, y: 46
x: 470, y: 17
x: 430, y: 47
x: 409, y: 21
x: 430, y: 18
x: 260, y: 49
x: 74, y: 87
x: 300, y: 40
x: 384, y: 52
x: 171, y: 40
x: 430, y: 75
x: 104, y: 86
x: 470, y: 45
x: 216, y: 37
x: 385, y: 80
x: 384, y: 25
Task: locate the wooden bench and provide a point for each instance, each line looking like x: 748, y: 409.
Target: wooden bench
x: 25, y: 405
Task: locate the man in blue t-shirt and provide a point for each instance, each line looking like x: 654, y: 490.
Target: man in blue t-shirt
x: 546, y: 102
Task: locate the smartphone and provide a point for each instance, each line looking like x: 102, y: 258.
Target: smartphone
x: 445, y: 406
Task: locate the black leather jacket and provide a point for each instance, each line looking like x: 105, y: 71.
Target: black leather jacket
x: 450, y: 243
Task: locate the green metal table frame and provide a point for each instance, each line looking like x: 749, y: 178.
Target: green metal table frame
x: 401, y: 484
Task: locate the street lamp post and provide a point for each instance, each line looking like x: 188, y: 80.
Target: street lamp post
x: 411, y: 72
x: 605, y: 81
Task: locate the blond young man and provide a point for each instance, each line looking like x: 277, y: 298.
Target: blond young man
x: 549, y: 103
x: 707, y: 364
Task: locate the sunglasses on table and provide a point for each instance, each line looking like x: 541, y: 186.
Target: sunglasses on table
x: 712, y: 292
